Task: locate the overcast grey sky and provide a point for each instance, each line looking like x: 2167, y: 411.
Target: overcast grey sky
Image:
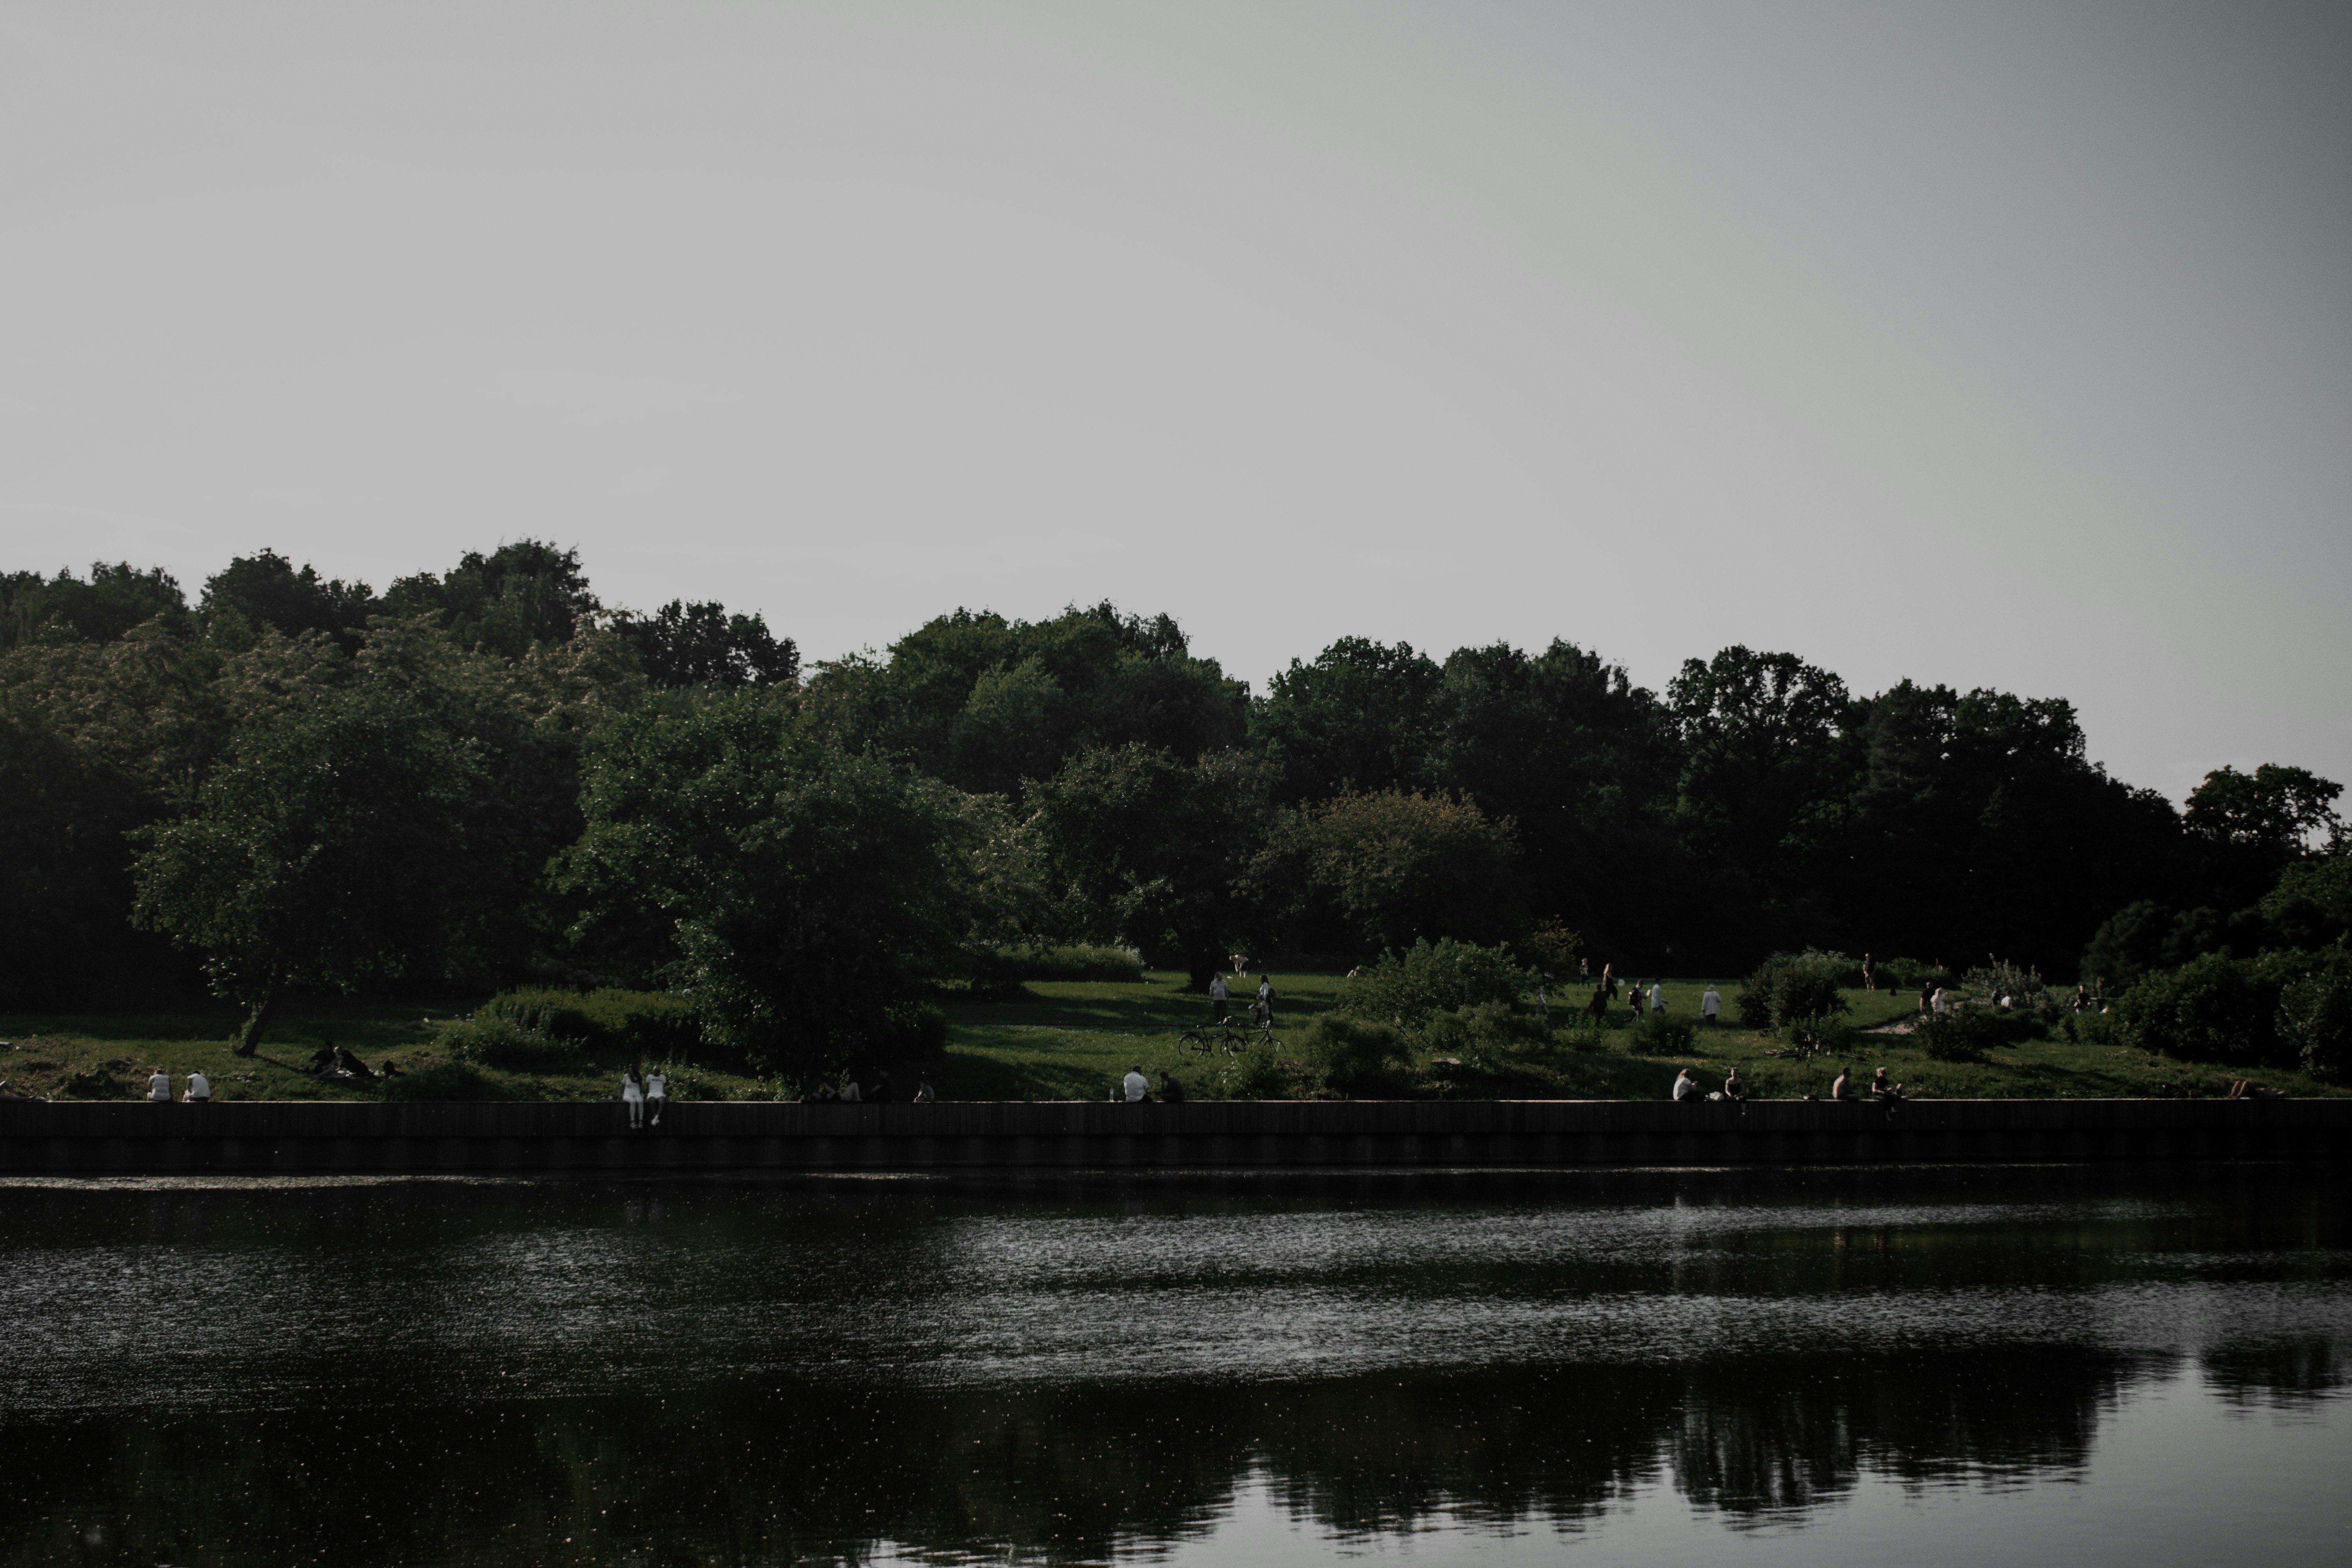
x: 1989, y: 344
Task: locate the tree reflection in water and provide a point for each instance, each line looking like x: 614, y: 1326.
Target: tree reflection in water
x: 343, y: 1421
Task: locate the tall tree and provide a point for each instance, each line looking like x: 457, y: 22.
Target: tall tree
x: 324, y: 852
x: 1155, y: 850
x: 264, y: 590
x: 1360, y: 717
x: 808, y: 890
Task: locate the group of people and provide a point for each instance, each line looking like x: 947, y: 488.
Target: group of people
x: 645, y: 1096
x: 1879, y: 1090
x: 1221, y: 998
x: 1686, y: 1088
x: 159, y: 1088
x: 849, y: 1092
x: 1654, y: 1002
x: 1138, y: 1087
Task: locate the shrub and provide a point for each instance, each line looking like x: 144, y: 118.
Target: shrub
x: 1408, y: 988
x: 1011, y: 966
x: 443, y: 1081
x: 1791, y: 985
x: 1669, y: 1036
x: 1487, y: 1034
x: 1258, y: 1076
x: 605, y: 1022
x: 1951, y: 1036
x: 2314, y: 1017
x: 2214, y: 1008
x: 1357, y: 1058
x: 916, y: 1028
x: 513, y: 1038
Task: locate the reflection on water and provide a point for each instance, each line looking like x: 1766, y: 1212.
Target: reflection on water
x: 1665, y: 1366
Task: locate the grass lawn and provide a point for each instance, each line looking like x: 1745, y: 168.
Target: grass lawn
x: 1066, y: 1040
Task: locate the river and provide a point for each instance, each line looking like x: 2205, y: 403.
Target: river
x: 2087, y: 1364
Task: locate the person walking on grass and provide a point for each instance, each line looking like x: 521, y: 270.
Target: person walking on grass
x: 632, y: 1095
x: 1217, y: 995
x: 1657, y: 998
x: 1598, y: 1006
x: 1710, y: 1007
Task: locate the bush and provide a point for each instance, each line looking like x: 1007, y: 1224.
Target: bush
x: 1259, y: 1076
x: 2214, y: 1008
x: 1669, y: 1036
x: 2314, y: 1017
x: 1952, y: 1036
x: 444, y: 1081
x: 1358, y: 1057
x: 917, y: 1029
x: 1788, y: 987
x: 514, y: 1038
x: 1486, y: 1035
x: 1408, y: 988
x: 605, y: 1022
x: 1004, y: 969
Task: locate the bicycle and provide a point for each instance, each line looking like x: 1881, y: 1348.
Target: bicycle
x: 1227, y: 1035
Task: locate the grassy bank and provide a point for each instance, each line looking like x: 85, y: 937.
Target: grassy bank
x: 1063, y: 1040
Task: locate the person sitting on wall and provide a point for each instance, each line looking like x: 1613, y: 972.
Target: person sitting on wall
x: 1685, y: 1086
x: 1137, y: 1086
x: 924, y: 1093
x: 1838, y: 1089
x: 825, y: 1095
x: 200, y: 1088
x: 159, y: 1088
x: 1736, y: 1088
x: 850, y: 1094
x: 1880, y: 1089
x: 1170, y: 1091
x: 657, y: 1097
x: 2247, y: 1088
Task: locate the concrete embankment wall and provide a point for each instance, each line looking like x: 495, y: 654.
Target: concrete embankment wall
x: 296, y: 1137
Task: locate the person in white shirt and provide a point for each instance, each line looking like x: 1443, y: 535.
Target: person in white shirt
x: 1685, y: 1086
x: 1217, y: 995
x: 1136, y: 1085
x: 656, y: 1096
x: 200, y: 1088
x: 159, y: 1088
x: 632, y: 1095
x: 1709, y: 1006
x: 1657, y: 997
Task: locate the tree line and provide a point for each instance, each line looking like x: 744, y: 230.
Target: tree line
x: 488, y: 775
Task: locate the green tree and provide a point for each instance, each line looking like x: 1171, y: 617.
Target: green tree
x: 1761, y: 779
x: 323, y: 852
x: 810, y: 891
x: 988, y: 703
x: 1398, y: 866
x: 1155, y: 851
x: 520, y: 595
x: 264, y: 590
x: 115, y: 599
x: 1360, y: 717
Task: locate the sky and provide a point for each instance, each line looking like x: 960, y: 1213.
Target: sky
x: 1993, y: 345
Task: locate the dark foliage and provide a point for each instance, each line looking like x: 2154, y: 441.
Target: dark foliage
x: 115, y: 599
x: 702, y: 645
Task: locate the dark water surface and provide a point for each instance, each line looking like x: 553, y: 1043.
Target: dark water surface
x: 1959, y: 1365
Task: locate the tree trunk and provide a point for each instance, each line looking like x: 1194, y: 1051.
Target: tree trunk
x: 248, y: 1039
